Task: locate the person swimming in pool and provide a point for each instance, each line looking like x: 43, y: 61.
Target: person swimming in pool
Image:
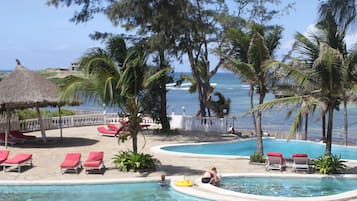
x: 211, y: 177
x: 163, y: 180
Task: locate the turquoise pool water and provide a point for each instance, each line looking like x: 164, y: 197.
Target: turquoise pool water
x: 143, y: 191
x: 247, y: 147
x: 289, y: 186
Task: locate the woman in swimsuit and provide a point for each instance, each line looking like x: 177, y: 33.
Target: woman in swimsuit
x: 210, y: 176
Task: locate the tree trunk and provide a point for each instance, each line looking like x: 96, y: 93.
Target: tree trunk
x: 329, y: 131
x: 44, y: 139
x: 306, y: 126
x: 251, y: 93
x: 324, y: 127
x: 165, y: 124
x: 259, y: 133
x: 345, y: 116
x: 259, y: 121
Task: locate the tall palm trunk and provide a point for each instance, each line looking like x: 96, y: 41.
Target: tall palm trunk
x: 345, y: 116
x: 324, y: 127
x: 306, y: 126
x: 134, y: 122
x: 251, y: 92
x: 259, y: 122
x: 163, y: 111
x: 259, y: 133
x: 329, y: 131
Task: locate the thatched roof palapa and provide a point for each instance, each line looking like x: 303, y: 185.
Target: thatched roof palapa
x: 25, y: 89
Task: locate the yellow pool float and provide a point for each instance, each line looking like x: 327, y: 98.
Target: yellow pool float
x: 185, y: 182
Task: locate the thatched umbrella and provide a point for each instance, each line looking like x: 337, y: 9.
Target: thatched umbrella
x: 26, y: 89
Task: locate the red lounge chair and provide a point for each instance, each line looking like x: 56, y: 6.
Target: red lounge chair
x: 94, y: 162
x: 300, y: 162
x: 3, y: 155
x: 72, y: 161
x: 10, y: 141
x: 18, y: 161
x: 21, y: 136
x: 105, y: 132
x: 276, y: 161
x: 146, y: 126
x: 113, y: 127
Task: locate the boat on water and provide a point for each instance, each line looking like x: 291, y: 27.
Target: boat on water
x: 183, y: 86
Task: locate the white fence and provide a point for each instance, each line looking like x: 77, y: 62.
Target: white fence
x: 206, y: 124
x: 189, y: 123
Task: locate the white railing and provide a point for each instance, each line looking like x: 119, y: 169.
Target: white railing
x: 189, y: 123
x: 67, y: 121
x: 206, y: 124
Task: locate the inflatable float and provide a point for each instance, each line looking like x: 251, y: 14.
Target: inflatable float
x: 185, y: 182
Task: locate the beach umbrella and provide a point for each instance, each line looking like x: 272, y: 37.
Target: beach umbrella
x: 22, y: 89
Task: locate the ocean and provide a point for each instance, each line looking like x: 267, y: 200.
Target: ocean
x: 179, y: 100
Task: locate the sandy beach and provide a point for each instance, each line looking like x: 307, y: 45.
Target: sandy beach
x: 47, y: 157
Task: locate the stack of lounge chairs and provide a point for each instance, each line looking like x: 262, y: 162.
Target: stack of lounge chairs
x: 16, y: 137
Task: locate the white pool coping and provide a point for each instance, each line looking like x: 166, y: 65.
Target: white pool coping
x: 209, y: 191
x: 159, y: 149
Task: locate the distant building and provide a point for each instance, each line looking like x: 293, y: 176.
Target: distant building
x: 75, y: 66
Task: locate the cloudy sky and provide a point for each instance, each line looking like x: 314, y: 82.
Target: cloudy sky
x: 43, y: 37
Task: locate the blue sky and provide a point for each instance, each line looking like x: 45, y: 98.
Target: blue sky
x: 43, y: 37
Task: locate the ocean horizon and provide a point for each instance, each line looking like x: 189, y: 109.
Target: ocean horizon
x: 180, y: 101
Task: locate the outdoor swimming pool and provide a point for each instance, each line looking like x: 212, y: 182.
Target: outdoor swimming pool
x: 289, y: 186
x: 87, y: 192
x: 247, y: 147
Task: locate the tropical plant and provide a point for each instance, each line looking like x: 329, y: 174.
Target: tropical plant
x: 329, y: 164
x: 128, y: 160
x: 257, y: 158
x: 221, y: 106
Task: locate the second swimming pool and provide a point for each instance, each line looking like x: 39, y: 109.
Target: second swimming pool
x: 247, y: 147
x: 144, y: 191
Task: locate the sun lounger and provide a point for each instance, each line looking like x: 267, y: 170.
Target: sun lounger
x: 72, y: 161
x: 19, y: 135
x: 113, y: 127
x: 94, y: 162
x: 276, y: 161
x: 300, y: 162
x: 3, y: 155
x: 18, y: 161
x: 106, y: 132
x: 10, y: 140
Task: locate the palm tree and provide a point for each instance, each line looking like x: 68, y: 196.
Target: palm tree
x: 114, y: 80
x: 253, y: 65
x: 336, y: 17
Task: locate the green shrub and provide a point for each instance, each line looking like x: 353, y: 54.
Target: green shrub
x: 258, y: 158
x: 128, y: 160
x: 329, y: 164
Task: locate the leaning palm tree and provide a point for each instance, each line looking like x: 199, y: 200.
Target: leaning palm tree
x: 254, y: 67
x: 113, y: 80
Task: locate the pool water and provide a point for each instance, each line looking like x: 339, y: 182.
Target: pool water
x: 143, y: 191
x: 289, y: 187
x: 247, y: 147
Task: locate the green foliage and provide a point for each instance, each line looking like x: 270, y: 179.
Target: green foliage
x: 128, y: 160
x: 32, y: 114
x: 329, y: 164
x: 257, y: 157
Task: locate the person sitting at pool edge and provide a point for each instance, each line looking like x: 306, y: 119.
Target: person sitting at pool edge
x: 211, y: 177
